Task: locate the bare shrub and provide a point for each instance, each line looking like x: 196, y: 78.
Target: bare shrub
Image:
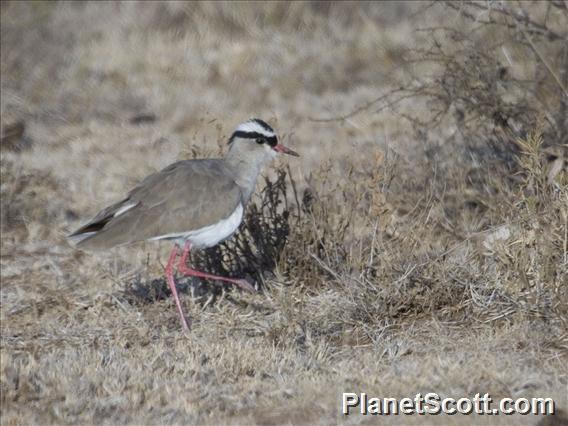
x: 474, y: 234
x: 256, y: 248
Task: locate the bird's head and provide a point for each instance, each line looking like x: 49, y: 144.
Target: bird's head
x: 256, y: 138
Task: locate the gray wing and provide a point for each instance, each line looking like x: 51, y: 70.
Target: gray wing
x: 184, y: 196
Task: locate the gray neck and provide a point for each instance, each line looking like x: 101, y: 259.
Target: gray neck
x: 245, y: 167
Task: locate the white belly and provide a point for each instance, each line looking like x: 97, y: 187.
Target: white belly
x: 211, y: 235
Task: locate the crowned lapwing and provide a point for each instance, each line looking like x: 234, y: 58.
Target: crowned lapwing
x: 195, y: 203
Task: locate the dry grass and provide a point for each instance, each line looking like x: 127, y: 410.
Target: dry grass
x: 419, y: 244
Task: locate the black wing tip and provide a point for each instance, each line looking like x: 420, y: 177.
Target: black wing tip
x: 77, y: 239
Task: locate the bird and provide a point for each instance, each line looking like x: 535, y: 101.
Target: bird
x: 195, y: 203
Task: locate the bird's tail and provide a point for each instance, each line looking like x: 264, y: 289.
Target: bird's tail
x: 76, y: 239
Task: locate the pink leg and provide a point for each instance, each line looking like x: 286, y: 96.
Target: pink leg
x: 172, y: 284
x: 242, y: 283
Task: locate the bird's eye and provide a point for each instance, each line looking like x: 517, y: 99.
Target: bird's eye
x: 260, y: 140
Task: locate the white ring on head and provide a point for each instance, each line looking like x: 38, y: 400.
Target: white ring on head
x: 252, y: 126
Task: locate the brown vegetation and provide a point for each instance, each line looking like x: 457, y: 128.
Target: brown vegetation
x: 419, y: 245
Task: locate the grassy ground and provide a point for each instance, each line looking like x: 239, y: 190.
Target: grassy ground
x: 418, y: 252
